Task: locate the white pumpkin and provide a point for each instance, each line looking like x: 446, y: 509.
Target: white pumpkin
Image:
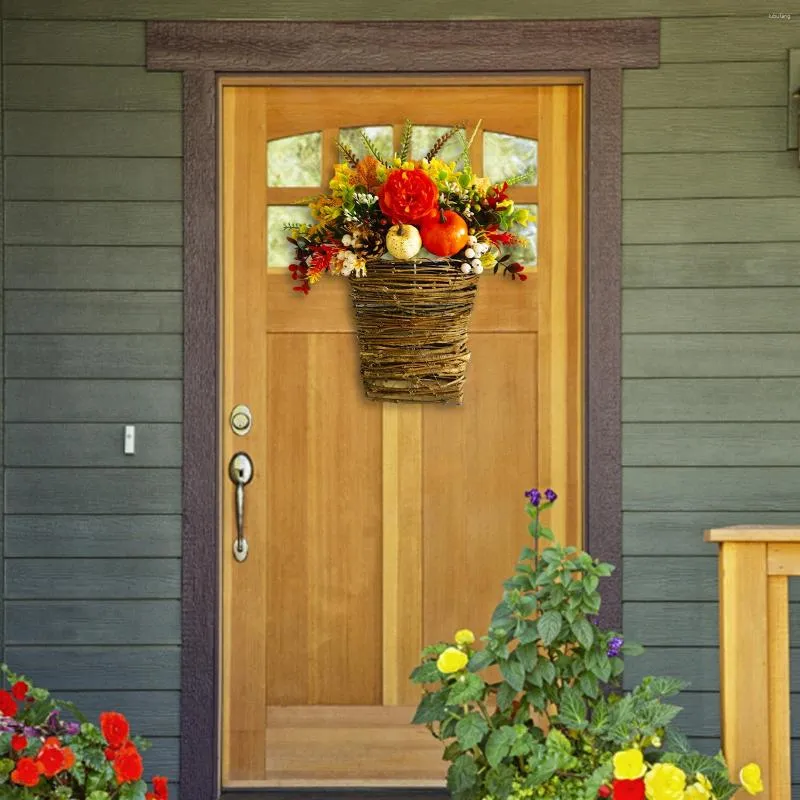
x: 403, y: 241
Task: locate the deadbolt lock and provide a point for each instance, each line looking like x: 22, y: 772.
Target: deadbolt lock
x: 241, y: 420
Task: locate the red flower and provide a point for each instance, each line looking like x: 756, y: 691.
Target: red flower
x: 115, y: 728
x: 127, y: 764
x: 604, y: 791
x: 53, y: 758
x: 19, y: 690
x: 8, y: 705
x: 18, y: 742
x: 27, y: 772
x: 408, y: 195
x: 496, y: 195
x: 160, y: 787
x: 628, y: 790
x: 110, y: 753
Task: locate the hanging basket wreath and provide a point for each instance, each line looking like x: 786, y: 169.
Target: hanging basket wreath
x: 413, y: 236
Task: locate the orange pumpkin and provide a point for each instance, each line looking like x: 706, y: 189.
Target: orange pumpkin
x: 444, y: 233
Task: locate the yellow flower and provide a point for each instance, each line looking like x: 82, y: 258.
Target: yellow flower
x: 452, y: 660
x: 700, y: 790
x: 750, y: 778
x: 465, y: 636
x: 665, y: 782
x: 629, y: 765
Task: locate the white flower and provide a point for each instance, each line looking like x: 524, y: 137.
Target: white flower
x: 346, y: 270
x: 473, y: 240
x: 478, y: 269
x: 466, y: 268
x: 347, y: 240
x: 476, y: 262
x: 469, y: 253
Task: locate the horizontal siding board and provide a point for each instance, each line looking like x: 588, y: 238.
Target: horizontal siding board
x: 99, y: 668
x: 671, y: 623
x: 150, y: 713
x: 716, y: 310
x: 87, y: 622
x: 47, y: 42
x: 93, y: 223
x: 79, y: 356
x: 689, y: 175
x: 92, y: 578
x: 162, y: 758
x: 96, y: 268
x: 67, y: 88
x: 724, y: 444
x: 93, y: 312
x: 680, y: 533
x: 90, y: 445
x: 703, y: 130
x: 732, y: 39
x: 106, y: 133
x: 711, y: 355
x: 93, y: 491
x: 711, y: 488
x: 711, y: 400
x: 104, y: 536
x: 652, y: 580
x: 706, y: 85
x: 355, y: 9
x: 136, y: 401
x: 54, y: 178
x: 711, y: 265
x: 684, y: 221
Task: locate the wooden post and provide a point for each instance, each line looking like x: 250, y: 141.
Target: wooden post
x: 754, y: 566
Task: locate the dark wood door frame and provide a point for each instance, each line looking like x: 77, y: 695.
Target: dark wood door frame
x: 204, y: 51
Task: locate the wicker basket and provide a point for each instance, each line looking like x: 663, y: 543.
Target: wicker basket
x: 411, y: 319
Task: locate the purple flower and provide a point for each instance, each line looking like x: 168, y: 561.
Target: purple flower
x: 72, y: 728
x: 615, y: 646
x: 550, y: 495
x: 534, y: 497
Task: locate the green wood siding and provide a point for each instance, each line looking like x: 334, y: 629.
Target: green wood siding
x: 711, y: 344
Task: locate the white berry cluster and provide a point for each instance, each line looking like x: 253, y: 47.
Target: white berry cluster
x: 346, y: 262
x: 473, y: 255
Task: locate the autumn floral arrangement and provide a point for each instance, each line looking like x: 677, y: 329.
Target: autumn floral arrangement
x: 398, y: 205
x: 43, y: 755
x: 538, y: 711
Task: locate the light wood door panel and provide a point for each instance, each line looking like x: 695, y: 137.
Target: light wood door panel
x: 375, y: 528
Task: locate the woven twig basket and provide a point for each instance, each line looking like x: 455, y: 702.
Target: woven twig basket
x: 411, y: 319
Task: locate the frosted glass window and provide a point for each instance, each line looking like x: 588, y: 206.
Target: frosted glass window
x: 382, y: 135
x: 295, y: 160
x: 505, y: 157
x: 423, y: 138
x: 526, y: 254
x: 280, y: 252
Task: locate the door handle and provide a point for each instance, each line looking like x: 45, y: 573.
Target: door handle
x: 241, y: 473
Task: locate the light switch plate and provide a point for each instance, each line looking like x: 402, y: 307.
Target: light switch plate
x: 794, y: 102
x: 130, y: 440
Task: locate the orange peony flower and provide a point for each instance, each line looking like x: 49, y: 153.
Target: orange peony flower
x: 408, y: 195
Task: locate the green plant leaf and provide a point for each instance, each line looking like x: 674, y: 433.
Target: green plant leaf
x: 632, y: 649
x: 467, y: 688
x: 431, y: 708
x: 590, y: 584
x: 530, y: 632
x: 572, y: 709
x: 426, y: 673
x: 557, y: 741
x: 677, y: 742
x: 599, y: 721
x: 500, y: 780
x: 548, y: 670
x: 471, y: 729
x: 499, y: 745
x: 528, y: 655
x: 514, y: 673
x: 549, y: 626
x: 505, y: 696
x: 598, y: 778
x: 584, y: 632
x: 480, y: 660
x: 462, y: 776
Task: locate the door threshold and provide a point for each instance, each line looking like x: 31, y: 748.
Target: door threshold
x: 338, y: 793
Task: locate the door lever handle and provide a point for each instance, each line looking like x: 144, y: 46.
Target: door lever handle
x: 241, y: 473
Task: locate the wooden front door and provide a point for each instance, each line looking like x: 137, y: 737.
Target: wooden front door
x: 374, y: 528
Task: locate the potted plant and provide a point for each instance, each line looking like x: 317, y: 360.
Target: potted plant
x: 413, y: 235
x: 44, y: 756
x: 539, y: 711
